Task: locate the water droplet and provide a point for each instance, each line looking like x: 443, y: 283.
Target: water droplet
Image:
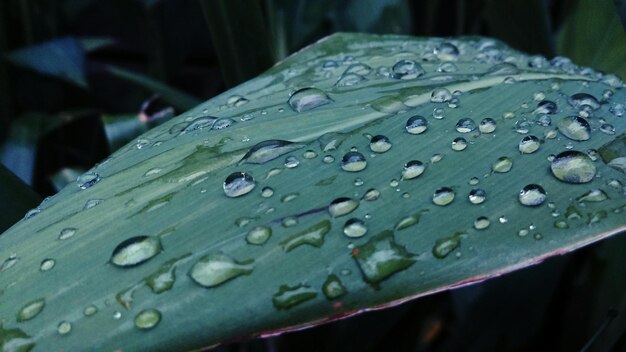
x: 487, y: 125
x: 408, y: 221
x: 446, y: 245
x: 407, y: 69
x: 538, y: 236
x: 595, y: 195
x: 380, y: 257
x: 413, y: 169
x: 92, y: 203
x: 544, y: 121
x: 522, y: 126
x: 355, y: 228
x: 309, y: 154
x: 90, y: 310
x: 371, y: 195
x: 349, y: 79
x: 607, y: 128
x: 573, y: 167
x: 328, y: 159
x: 267, y: 192
x: 87, y: 180
x: 502, y: 165
x: 147, y: 319
x: 443, y: 196
x: 438, y: 113
x: 290, y: 221
x: 117, y: 315
x: 223, y: 123
x: 306, y: 99
x: 135, y: 250
x: 289, y: 296
x: 523, y: 232
x: 446, y: 52
x: 481, y: 223
x: 64, y: 328
x: 215, y: 269
x: 532, y: 195
x: 163, y: 279
x: 31, y: 213
x: 342, y: 206
x: 546, y: 107
x: 313, y: 236
x: 47, y: 264
x: 596, y: 216
x: 9, y: 262
x: 477, y: 196
x: 503, y: 220
x: 529, y: 144
x: 259, y: 235
x: 31, y: 310
x: 268, y: 150
x: 440, y: 95
x: 575, y: 128
x: 353, y: 162
x: 333, y: 287
x: 459, y: 144
x: 416, y: 124
x: 580, y: 100
x: 447, y: 67
x: 291, y: 162
x: 465, y: 125
x: 380, y: 144
x: 503, y: 69
x: 238, y: 183
x: 199, y: 124
x: 358, y: 182
x: 236, y: 100
x: 473, y: 181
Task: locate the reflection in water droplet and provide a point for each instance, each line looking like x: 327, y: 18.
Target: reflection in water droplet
x: 413, y: 169
x: 416, y: 124
x: 289, y: 296
x: 580, y: 100
x: 333, y: 287
x: 199, y: 124
x: 459, y: 144
x: 575, y: 128
x: 532, y: 195
x: 529, y: 144
x: 349, y: 79
x: 546, y: 107
x: 595, y: 195
x: 313, y: 236
x: 147, y: 319
x: 573, y: 167
x: 268, y: 150
x: 502, y: 165
x: 440, y: 95
x: 215, y: 269
x: 443, y: 196
x: 353, y: 162
x: 135, y: 250
x: 47, y: 264
x: 238, y: 183
x: 487, y: 125
x: 407, y: 69
x: 477, y: 196
x: 31, y: 310
x: 259, y: 235
x: 87, y: 180
x: 447, y: 52
x: 355, y: 228
x: 380, y: 144
x: 465, y: 125
x: 381, y: 257
x: 481, y: 223
x: 64, y: 328
x: 445, y: 246
x: 306, y: 99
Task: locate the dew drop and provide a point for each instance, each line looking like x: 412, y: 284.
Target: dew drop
x: 503, y: 220
x: 64, y: 328
x: 135, y: 250
x: 290, y: 221
x: 416, y: 124
x: 573, y: 167
x: 306, y: 99
x: 259, y: 235
x: 532, y: 195
x: 355, y: 228
x: 342, y: 206
x: 595, y: 195
x: 67, y: 233
x: 459, y: 144
x: 353, y: 162
x: 199, y: 124
x: 9, y: 262
x: 380, y: 144
x: 529, y: 144
x: 88, y: 179
x: 31, y: 310
x: 446, y: 245
x: 546, y: 107
x: 147, y: 319
x: 544, y: 121
x: 487, y: 125
x: 446, y: 52
x: 238, y: 183
x: 349, y: 79
x: 481, y: 223
x: 465, y: 125
x: 607, y: 129
x: 477, y: 196
x: 438, y: 113
x: 440, y: 95
x: 413, y: 169
x: 328, y: 159
x: 575, y: 128
x: 223, y: 123
x: 215, y: 269
x: 580, y: 100
x: 90, y: 310
x: 269, y: 150
x: 473, y: 181
x: 47, y: 264
x: 291, y: 162
x: 502, y: 165
x: 371, y: 195
x: 407, y: 69
x: 267, y: 192
x: 333, y: 287
x: 309, y: 154
x: 443, y: 196
x: 380, y: 257
x: 289, y: 296
x: 313, y: 236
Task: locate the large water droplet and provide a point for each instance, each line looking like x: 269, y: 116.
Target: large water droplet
x: 477, y: 196
x: 575, y: 128
x: 407, y: 69
x: 333, y: 287
x: 416, y: 124
x: 87, y: 180
x: 215, y: 269
x: 199, y: 124
x: 380, y: 144
x: 413, y: 169
x: 580, y: 100
x: 353, y: 162
x: 147, y: 319
x: 532, y: 195
x: 445, y: 246
x: 238, y: 183
x: 269, y: 150
x: 306, y: 99
x: 355, y: 228
x: 289, y: 296
x: 459, y: 144
x: 446, y: 52
x: 440, y: 95
x: 259, y: 235
x: 31, y: 310
x: 381, y: 257
x: 487, y: 125
x: 465, y: 125
x: 135, y: 250
x: 443, y: 196
x: 342, y: 206
x: 313, y: 236
x: 573, y: 167
x: 529, y: 144
x: 502, y: 165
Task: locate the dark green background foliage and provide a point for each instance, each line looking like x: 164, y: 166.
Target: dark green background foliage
x: 80, y: 78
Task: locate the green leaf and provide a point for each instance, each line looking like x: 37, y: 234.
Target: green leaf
x: 16, y: 198
x: 292, y: 236
x: 593, y: 35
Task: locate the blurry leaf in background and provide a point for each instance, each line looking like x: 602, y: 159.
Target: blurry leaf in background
x: 375, y: 16
x: 65, y: 176
x: 95, y: 43
x: 177, y: 98
x: 240, y: 38
x: 523, y: 24
x: 61, y: 58
x: 16, y: 198
x: 593, y: 36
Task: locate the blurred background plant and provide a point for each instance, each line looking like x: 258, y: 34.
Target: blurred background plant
x: 81, y: 78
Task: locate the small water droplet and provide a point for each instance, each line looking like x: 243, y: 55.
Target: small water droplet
x: 90, y: 310
x: 259, y: 235
x: 291, y: 162
x: 358, y: 182
x: 88, y: 179
x: 443, y: 196
x: 543, y: 121
x: 380, y: 144
x: 306, y: 99
x: 290, y: 221
x: 313, y: 236
x: 546, y: 107
x: 223, y: 123
x: 268, y: 150
x: 503, y: 220
x: 371, y: 195
x: 267, y: 192
x: 117, y: 315
x: 439, y: 114
x: 416, y: 124
x: 446, y: 52
x: 477, y: 196
x: 380, y: 257
x: 31, y: 310
x: 459, y: 144
x: 529, y: 144
x: 92, y: 203
x: 289, y: 296
x: 595, y: 195
x: 215, y: 269
x: 502, y: 165
x: 407, y: 69
x: 575, y: 128
x: 481, y: 223
x: 135, y: 250
x: 573, y: 167
x: 147, y: 319
x: 328, y: 159
x: 199, y: 124
x: 309, y: 154
x: 440, y: 95
x: 465, y: 125
x: 349, y: 80
x: 353, y: 162
x: 64, y: 328
x: 333, y: 287
x: 412, y: 169
x: 236, y: 100
x: 47, y: 264
x: 532, y: 195
x: 607, y: 128
x: 446, y: 245
x: 487, y: 125
x: 342, y: 206
x: 238, y: 183
x: 67, y: 233
x: 355, y: 228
